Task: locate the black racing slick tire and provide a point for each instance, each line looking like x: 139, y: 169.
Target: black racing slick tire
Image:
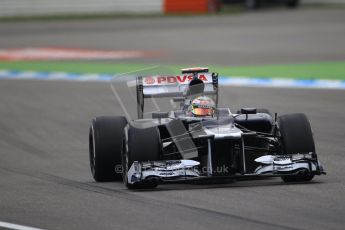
x: 296, y: 137
x: 143, y: 144
x: 296, y: 134
x: 105, y: 147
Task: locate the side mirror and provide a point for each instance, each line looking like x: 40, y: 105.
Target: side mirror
x: 248, y: 110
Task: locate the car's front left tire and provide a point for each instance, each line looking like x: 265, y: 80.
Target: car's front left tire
x: 105, y: 147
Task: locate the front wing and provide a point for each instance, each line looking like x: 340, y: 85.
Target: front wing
x: 174, y: 171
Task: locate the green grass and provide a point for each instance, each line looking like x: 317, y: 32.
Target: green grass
x: 322, y: 70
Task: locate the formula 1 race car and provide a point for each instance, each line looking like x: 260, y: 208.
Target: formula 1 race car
x: 198, y: 141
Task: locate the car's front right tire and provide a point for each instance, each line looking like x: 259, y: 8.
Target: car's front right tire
x: 142, y: 145
x: 105, y: 147
x: 296, y: 138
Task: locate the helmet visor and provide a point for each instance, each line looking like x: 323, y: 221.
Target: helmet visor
x: 202, y: 111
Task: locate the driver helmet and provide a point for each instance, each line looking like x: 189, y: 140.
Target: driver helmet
x: 202, y: 106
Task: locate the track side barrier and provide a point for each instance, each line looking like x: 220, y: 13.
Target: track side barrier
x: 190, y: 6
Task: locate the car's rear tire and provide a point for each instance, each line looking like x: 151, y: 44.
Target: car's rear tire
x: 105, y: 146
x: 296, y: 137
x: 143, y: 144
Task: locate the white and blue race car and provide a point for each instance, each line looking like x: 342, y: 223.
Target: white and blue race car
x: 180, y: 147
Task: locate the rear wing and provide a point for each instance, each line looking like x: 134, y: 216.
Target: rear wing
x: 172, y: 86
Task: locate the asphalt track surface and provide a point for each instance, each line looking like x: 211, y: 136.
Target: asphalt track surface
x: 45, y: 178
x: 278, y: 36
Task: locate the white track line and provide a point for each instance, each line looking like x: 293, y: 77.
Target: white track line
x: 17, y: 226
